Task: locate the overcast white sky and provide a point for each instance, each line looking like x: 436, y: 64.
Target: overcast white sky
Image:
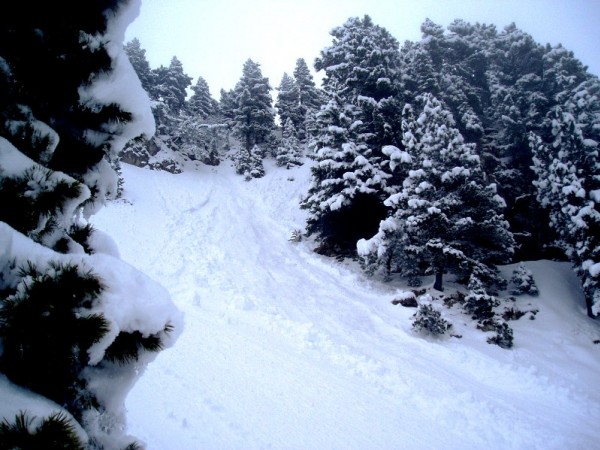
x: 213, y: 38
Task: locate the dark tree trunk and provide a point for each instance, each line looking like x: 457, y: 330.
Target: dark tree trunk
x: 439, y: 275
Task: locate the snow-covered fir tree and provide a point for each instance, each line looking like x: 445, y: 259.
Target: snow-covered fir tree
x: 444, y: 216
x: 309, y: 96
x: 361, y: 75
x: 170, y: 85
x: 289, y: 152
x: 253, y: 113
x: 249, y: 163
x: 344, y: 183
x: 288, y: 103
x: 201, y: 104
x: 137, y: 57
x: 202, y: 132
x: 364, y: 64
x: 71, y: 328
x: 227, y: 105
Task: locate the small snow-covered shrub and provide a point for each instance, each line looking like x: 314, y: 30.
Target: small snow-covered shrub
x: 249, y: 163
x: 513, y: 314
x: 430, y: 321
x: 295, y: 236
x: 523, y: 282
x: 405, y: 298
x: 452, y: 299
x: 478, y: 303
x: 480, y: 306
x: 503, y: 337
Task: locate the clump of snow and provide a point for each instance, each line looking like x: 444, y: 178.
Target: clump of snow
x: 16, y: 400
x: 121, y: 85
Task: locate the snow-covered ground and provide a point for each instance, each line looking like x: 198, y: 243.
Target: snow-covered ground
x: 286, y: 349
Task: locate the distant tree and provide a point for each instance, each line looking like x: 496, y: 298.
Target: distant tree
x: 253, y: 114
x: 170, y: 85
x: 288, y: 103
x: 137, y: 57
x: 289, y: 152
x: 201, y: 104
x: 249, y: 163
x: 227, y: 105
x: 310, y: 98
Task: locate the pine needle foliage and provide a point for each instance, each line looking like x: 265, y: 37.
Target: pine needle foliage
x: 47, y: 327
x: 127, y: 347
x: 53, y: 433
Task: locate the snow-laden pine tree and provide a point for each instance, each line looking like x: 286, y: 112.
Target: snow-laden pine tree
x: 168, y: 95
x: 492, y: 83
x: 201, y: 104
x: 364, y: 64
x: 227, y: 106
x: 568, y: 182
x: 137, y: 57
x: 344, y: 182
x: 289, y: 152
x: 253, y: 113
x: 249, y: 163
x: 77, y: 324
x: 288, y: 103
x: 309, y: 96
x: 445, y: 216
x: 203, y: 131
x: 361, y: 80
x: 170, y: 85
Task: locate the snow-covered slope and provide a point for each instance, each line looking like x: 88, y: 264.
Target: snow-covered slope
x: 283, y: 348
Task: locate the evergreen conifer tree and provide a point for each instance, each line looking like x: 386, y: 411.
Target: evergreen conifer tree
x: 445, y: 217
x: 344, y: 181
x: 568, y: 182
x: 170, y: 85
x: 310, y: 98
x: 253, y: 113
x: 137, y: 57
x: 289, y: 153
x: 201, y: 105
x: 288, y: 103
x: 361, y: 79
x: 59, y: 333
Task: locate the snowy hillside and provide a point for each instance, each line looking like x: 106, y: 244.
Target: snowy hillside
x: 283, y: 348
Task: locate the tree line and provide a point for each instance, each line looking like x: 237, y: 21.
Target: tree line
x: 203, y: 129
x: 470, y: 148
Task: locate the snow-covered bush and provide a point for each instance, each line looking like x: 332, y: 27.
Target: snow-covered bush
x: 480, y: 306
x: 405, y: 298
x: 429, y: 320
x: 289, y: 150
x: 504, y: 334
x: 478, y: 303
x: 249, y: 163
x: 523, y: 282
